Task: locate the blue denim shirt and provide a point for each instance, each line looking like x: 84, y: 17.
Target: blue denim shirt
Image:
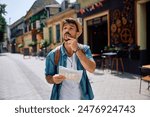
x: 52, y: 69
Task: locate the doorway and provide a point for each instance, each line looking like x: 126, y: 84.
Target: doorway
x: 143, y: 30
x: 148, y: 30
x: 97, y: 34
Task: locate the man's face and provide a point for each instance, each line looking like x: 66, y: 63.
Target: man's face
x: 70, y: 30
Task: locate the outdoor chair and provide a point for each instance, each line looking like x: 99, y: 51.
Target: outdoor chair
x: 96, y: 58
x: 117, y: 60
x: 145, y: 76
x: 102, y: 60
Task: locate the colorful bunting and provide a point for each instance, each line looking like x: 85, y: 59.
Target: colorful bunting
x: 101, y: 4
x: 87, y: 9
x: 82, y: 11
x: 92, y: 7
x: 97, y: 4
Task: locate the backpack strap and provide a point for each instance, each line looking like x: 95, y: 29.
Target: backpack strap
x: 57, y: 56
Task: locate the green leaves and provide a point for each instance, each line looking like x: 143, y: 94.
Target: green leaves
x: 20, y: 45
x: 2, y: 24
x: 33, y: 43
x: 2, y: 21
x: 2, y: 9
x: 44, y: 43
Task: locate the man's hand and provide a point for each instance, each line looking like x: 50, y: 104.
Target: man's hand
x: 73, y: 43
x: 57, y: 79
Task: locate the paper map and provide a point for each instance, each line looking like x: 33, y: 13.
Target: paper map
x: 71, y: 74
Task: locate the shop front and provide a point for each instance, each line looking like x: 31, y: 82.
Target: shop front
x: 113, y: 25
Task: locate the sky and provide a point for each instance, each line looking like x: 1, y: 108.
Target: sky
x: 18, y: 8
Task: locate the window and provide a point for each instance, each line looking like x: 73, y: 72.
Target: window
x: 58, y: 33
x: 50, y: 35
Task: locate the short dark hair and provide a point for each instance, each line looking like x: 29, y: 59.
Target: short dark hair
x: 70, y: 21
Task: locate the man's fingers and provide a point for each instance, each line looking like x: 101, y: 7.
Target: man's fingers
x: 58, y: 78
x: 70, y: 41
x: 62, y: 77
x: 70, y: 38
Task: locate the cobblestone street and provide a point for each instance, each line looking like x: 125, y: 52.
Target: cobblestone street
x: 24, y: 79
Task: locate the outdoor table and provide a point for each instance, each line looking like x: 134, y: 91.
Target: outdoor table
x: 146, y: 66
x: 109, y: 56
x: 95, y: 55
x: 96, y: 58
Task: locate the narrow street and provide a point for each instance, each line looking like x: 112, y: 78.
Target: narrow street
x: 23, y: 79
x: 19, y: 81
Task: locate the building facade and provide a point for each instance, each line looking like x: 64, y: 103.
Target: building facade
x: 120, y: 23
x: 35, y: 22
x: 54, y: 26
x: 107, y: 24
x: 16, y: 35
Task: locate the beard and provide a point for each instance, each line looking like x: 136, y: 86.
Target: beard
x: 66, y: 35
x: 66, y: 39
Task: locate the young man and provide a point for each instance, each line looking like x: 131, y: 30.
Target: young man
x: 73, y: 56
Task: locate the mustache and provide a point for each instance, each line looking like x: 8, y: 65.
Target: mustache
x: 67, y: 33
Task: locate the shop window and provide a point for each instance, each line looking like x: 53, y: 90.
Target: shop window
x: 34, y: 25
x: 30, y: 27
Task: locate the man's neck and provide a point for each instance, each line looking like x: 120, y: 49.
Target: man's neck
x: 68, y: 50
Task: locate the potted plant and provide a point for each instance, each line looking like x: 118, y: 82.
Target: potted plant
x: 20, y: 45
x: 44, y: 44
x: 33, y: 45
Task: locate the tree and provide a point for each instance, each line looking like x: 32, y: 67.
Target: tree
x: 2, y: 21
x: 2, y: 9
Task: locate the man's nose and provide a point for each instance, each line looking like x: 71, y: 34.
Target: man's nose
x: 67, y: 30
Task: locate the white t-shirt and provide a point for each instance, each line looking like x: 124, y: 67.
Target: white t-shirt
x: 70, y: 89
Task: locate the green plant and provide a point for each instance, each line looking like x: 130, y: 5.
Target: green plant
x: 33, y: 43
x: 44, y: 43
x: 20, y: 45
x: 2, y: 22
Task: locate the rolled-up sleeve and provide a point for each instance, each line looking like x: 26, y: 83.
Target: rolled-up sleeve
x: 49, y: 64
x: 88, y: 52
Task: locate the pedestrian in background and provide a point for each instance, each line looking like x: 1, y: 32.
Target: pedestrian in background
x: 73, y: 56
